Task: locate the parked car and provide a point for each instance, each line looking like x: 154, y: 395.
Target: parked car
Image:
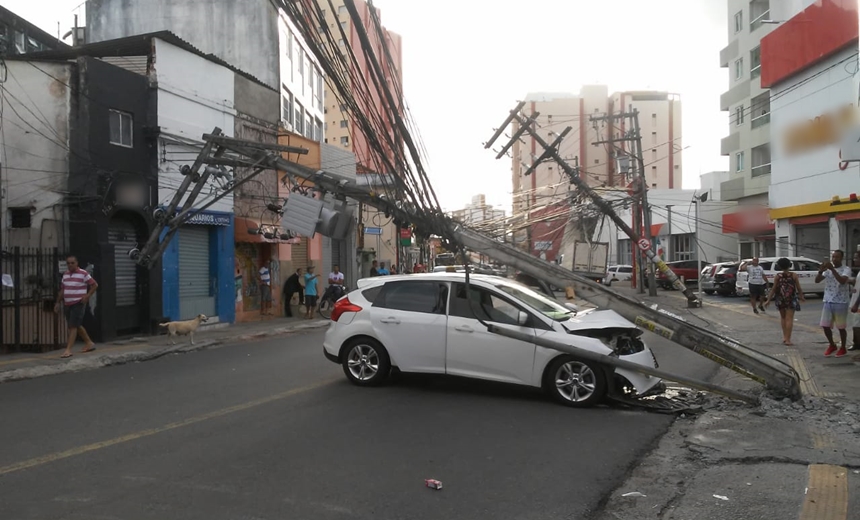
x: 426, y: 323
x: 726, y: 278
x: 806, y: 269
x: 686, y: 270
x: 708, y: 275
x: 618, y: 273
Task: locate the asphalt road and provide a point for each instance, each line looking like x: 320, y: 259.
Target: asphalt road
x: 271, y: 429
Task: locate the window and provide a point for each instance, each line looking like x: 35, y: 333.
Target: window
x: 20, y: 217
x: 341, y: 10
x: 487, y: 305
x: 288, y: 109
x: 625, y: 254
x: 320, y: 95
x: 300, y: 119
x: 755, y: 62
x: 739, y: 68
x: 596, y: 161
x: 739, y: 21
x: 653, y: 172
x: 318, y: 130
x: 424, y: 297
x: 760, y: 160
x: 653, y: 154
x: 309, y: 127
x: 343, y: 25
x: 653, y: 120
x: 344, y: 140
x: 120, y: 128
x: 343, y: 108
x: 739, y: 162
x: 739, y: 115
x: 760, y: 110
x: 684, y: 246
x: 343, y: 123
x: 653, y: 138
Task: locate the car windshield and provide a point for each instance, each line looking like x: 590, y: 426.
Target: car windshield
x: 537, y: 301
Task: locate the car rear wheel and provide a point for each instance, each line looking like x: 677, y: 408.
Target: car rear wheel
x: 575, y: 382
x: 365, y: 362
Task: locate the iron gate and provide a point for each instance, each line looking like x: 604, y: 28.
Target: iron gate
x: 31, y: 281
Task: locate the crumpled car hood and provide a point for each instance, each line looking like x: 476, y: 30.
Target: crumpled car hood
x: 598, y: 320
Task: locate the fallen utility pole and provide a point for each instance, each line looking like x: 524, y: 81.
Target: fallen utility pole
x: 642, y: 211
x: 779, y: 377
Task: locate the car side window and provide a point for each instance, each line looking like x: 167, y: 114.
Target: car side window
x: 625, y: 269
x: 424, y: 296
x: 371, y: 294
x: 490, y: 307
x: 766, y: 265
x: 804, y: 265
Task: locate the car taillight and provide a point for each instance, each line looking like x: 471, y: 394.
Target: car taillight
x: 729, y: 275
x: 341, y: 306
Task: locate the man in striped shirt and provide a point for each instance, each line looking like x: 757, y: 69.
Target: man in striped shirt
x: 75, y: 291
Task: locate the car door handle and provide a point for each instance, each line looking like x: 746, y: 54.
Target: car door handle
x: 393, y: 321
x: 464, y: 328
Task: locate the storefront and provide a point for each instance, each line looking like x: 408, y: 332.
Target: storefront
x: 813, y: 105
x: 198, y: 269
x: 755, y: 230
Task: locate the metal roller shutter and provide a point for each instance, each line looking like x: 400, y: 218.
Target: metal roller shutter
x: 122, y: 235
x: 195, y: 282
x: 299, y: 254
x: 336, y: 252
x: 813, y: 241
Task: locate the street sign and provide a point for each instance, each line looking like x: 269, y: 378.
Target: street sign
x: 644, y: 244
x: 373, y: 231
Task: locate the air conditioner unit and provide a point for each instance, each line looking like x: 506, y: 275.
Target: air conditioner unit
x: 287, y: 125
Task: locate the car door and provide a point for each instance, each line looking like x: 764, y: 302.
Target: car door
x: 473, y: 351
x: 409, y: 319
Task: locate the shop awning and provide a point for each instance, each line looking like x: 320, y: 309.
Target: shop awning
x: 748, y: 221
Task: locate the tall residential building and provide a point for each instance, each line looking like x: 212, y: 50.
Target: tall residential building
x: 544, y: 194
x: 748, y: 142
x: 478, y: 213
x: 343, y: 131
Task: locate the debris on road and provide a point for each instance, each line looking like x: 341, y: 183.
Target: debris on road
x: 433, y: 483
x: 721, y: 497
x: 634, y: 494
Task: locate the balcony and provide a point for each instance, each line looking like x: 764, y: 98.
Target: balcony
x: 760, y: 110
x: 757, y: 22
x: 760, y: 121
x: 729, y: 53
x: 759, y: 11
x: 730, y: 144
x: 758, y: 171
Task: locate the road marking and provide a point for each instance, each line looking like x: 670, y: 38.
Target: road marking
x: 827, y: 493
x: 54, y: 457
x: 808, y: 385
x: 822, y: 440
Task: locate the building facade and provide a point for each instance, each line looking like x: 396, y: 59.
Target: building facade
x: 814, y: 101
x: 748, y: 147
x: 343, y: 131
x: 544, y: 195
x: 18, y: 36
x: 302, y: 84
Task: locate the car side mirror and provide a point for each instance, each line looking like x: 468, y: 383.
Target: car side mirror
x: 522, y: 318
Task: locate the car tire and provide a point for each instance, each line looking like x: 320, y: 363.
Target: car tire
x: 580, y: 376
x: 709, y: 293
x: 365, y: 362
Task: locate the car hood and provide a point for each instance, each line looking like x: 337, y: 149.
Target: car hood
x: 598, y: 320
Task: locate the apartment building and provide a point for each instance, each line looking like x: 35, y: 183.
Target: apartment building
x: 543, y: 194
x: 478, y: 212
x: 748, y: 143
x: 342, y: 131
x: 302, y: 84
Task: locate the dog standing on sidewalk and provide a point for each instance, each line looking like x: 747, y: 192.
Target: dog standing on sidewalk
x: 183, y: 328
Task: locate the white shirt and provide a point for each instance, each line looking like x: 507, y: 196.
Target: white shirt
x: 755, y: 274
x: 337, y: 277
x: 835, y: 292
x: 265, y: 278
x: 856, y: 291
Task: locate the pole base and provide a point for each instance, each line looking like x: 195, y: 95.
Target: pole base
x: 694, y: 304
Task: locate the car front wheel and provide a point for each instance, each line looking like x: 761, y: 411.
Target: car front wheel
x: 575, y: 382
x: 365, y: 362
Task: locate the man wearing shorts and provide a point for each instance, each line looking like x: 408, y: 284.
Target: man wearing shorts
x: 75, y: 291
x: 757, y: 283
x: 837, y: 296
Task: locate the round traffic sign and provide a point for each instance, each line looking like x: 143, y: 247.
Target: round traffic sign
x: 644, y: 244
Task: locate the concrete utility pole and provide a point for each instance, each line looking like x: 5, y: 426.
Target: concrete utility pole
x: 641, y: 209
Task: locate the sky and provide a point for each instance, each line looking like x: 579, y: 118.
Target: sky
x: 467, y: 62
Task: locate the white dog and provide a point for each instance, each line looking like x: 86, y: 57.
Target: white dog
x: 183, y: 328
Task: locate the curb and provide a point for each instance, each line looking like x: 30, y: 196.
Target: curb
x: 137, y: 356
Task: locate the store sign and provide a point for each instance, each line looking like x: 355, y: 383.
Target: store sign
x: 543, y: 245
x: 823, y: 130
x: 748, y: 221
x: 208, y: 219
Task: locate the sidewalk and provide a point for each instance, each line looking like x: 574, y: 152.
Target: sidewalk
x: 780, y: 460
x: 15, y: 367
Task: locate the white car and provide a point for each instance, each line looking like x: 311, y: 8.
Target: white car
x: 806, y: 269
x: 618, y: 273
x: 424, y: 323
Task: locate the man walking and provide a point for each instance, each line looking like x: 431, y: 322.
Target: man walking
x: 855, y: 305
x: 75, y: 290
x: 757, y: 284
x: 265, y: 291
x: 836, y: 299
x: 293, y: 286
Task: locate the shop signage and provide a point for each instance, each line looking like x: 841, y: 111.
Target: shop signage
x: 748, y: 221
x: 208, y: 219
x: 826, y: 129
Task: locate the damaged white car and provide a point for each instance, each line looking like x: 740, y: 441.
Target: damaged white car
x: 425, y: 323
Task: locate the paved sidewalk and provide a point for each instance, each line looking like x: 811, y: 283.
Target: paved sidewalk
x: 780, y: 460
x: 15, y: 367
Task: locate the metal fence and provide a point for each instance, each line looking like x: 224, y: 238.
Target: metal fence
x: 31, y: 281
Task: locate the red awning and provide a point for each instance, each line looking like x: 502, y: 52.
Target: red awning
x: 655, y: 229
x: 748, y: 221
x: 813, y: 219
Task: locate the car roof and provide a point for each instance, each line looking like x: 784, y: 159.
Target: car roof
x: 442, y: 277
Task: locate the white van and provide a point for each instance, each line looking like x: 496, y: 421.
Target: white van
x: 806, y: 269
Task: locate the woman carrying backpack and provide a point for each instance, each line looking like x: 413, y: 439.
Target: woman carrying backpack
x: 787, y: 294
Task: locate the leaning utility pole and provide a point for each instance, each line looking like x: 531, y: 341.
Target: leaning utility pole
x: 641, y: 209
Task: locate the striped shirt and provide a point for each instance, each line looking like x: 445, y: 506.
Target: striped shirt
x: 75, y: 286
x: 264, y: 276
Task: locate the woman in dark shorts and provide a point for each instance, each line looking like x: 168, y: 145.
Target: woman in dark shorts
x: 787, y: 294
